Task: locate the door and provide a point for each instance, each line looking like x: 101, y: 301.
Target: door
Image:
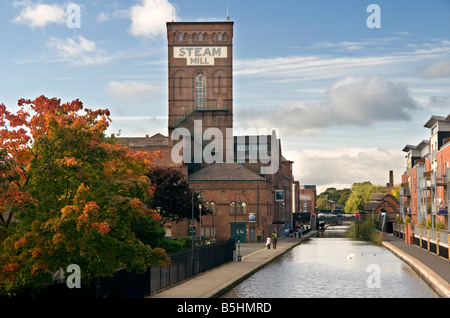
x: 238, y: 231
x: 251, y: 234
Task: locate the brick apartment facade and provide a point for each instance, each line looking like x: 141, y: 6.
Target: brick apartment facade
x: 200, y: 90
x: 424, y: 194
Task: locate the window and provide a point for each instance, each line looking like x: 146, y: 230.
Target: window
x: 210, y: 206
x: 180, y: 85
x: 180, y: 36
x: 219, y: 37
x: 200, y: 36
x: 240, y: 147
x: 200, y: 91
x: 238, y: 208
x: 208, y: 231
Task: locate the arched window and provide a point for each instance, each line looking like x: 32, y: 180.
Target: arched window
x: 200, y: 36
x: 200, y: 91
x: 232, y: 208
x: 219, y: 37
x: 180, y: 36
x: 239, y: 208
x: 180, y: 85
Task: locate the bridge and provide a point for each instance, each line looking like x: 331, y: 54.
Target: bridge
x: 318, y: 218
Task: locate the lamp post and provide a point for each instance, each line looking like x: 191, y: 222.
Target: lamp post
x: 200, y: 213
x: 235, y: 224
x: 158, y: 209
x: 199, y: 198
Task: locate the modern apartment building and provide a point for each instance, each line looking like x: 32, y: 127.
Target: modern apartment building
x: 424, y: 194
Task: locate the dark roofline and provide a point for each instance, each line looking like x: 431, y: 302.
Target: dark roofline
x: 201, y: 22
x: 432, y: 121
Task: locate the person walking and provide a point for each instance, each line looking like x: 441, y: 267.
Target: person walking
x: 268, y: 243
x: 275, y: 242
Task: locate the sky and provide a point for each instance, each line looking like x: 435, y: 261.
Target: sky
x: 346, y: 84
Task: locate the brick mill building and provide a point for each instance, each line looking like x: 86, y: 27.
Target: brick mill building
x: 244, y: 199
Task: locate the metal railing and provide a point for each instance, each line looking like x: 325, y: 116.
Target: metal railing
x: 129, y: 284
x: 186, y: 265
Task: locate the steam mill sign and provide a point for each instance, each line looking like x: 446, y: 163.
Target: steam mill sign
x: 198, y: 56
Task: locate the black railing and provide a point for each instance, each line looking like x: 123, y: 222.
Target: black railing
x: 186, y: 264
x: 124, y: 284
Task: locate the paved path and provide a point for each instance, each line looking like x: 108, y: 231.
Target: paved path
x: 433, y: 269
x: 213, y: 283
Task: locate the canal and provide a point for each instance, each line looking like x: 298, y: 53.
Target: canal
x: 331, y: 265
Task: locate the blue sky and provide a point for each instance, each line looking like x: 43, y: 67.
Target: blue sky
x: 345, y: 98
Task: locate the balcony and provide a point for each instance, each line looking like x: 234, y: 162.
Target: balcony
x: 404, y: 192
x: 425, y: 183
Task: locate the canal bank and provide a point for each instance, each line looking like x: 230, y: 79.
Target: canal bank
x: 433, y: 269
x: 214, y: 283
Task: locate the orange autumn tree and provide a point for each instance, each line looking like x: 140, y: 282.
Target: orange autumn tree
x: 69, y: 195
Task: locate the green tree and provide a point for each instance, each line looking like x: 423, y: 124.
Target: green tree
x: 75, y: 194
x: 338, y: 196
x: 360, y: 194
x: 396, y: 191
x: 173, y: 195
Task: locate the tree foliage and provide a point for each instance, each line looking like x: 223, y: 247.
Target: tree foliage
x: 360, y: 194
x: 396, y: 191
x: 69, y: 195
x: 338, y: 196
x: 173, y: 195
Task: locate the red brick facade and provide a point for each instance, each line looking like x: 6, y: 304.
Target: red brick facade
x: 425, y: 183
x: 200, y: 78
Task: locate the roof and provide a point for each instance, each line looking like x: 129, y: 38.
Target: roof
x: 422, y: 144
x: 434, y: 119
x: 225, y: 172
x: 138, y: 142
x: 376, y: 199
x: 368, y: 206
x: 377, y: 196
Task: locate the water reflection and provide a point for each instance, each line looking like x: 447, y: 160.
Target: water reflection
x: 332, y: 265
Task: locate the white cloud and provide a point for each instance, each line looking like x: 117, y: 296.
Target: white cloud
x: 131, y: 91
x: 39, y: 15
x: 340, y: 167
x: 80, y: 51
x: 438, y: 69
x: 148, y: 19
x: 350, y: 102
x: 106, y: 16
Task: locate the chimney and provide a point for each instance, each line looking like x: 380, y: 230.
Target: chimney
x: 391, y: 179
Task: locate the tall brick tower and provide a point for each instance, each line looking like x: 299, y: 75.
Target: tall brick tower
x: 200, y: 75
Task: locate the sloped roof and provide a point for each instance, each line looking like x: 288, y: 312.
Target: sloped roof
x: 155, y: 140
x: 224, y: 172
x: 377, y: 196
x: 369, y: 206
x: 432, y: 121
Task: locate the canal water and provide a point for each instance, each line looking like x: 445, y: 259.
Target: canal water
x: 331, y: 265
